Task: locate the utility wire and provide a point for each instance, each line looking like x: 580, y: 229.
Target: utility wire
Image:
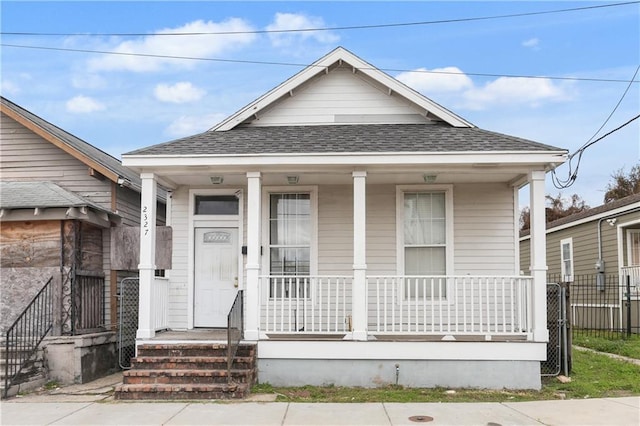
x: 292, y: 64
x: 340, y: 28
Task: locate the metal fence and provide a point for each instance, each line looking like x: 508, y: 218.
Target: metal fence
x: 88, y: 310
x: 603, y: 305
x: 127, y: 321
x: 559, y: 346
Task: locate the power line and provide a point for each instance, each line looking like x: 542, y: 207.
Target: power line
x: 339, y: 28
x: 293, y: 64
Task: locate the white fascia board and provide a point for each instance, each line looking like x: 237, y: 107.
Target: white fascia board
x: 442, y: 350
x: 488, y: 159
x: 588, y: 219
x: 321, y: 65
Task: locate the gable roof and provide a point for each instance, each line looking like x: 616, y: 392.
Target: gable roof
x: 366, y: 138
x: 340, y: 56
x: 93, y: 157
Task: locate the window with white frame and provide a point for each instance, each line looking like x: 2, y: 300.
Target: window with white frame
x: 425, y: 243
x: 290, y: 243
x: 566, y: 259
x: 633, y: 247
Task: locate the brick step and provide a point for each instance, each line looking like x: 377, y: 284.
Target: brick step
x: 181, y: 392
x: 181, y: 377
x: 192, y: 350
x: 189, y: 363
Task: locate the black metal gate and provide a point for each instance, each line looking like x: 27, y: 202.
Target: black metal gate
x: 558, y: 349
x: 127, y: 321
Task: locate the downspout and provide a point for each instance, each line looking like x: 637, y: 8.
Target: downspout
x: 600, y: 266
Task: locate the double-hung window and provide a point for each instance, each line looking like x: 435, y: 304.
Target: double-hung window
x: 424, y: 243
x: 290, y: 231
x: 566, y: 259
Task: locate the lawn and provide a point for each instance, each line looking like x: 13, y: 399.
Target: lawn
x: 617, y: 344
x: 593, y: 376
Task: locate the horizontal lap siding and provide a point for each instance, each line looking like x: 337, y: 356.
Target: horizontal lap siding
x: 335, y: 230
x: 340, y: 93
x: 484, y: 229
x: 178, y: 297
x: 26, y: 156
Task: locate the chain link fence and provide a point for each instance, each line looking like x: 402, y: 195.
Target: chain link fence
x: 127, y: 321
x: 559, y: 346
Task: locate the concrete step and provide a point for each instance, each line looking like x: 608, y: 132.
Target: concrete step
x: 180, y: 377
x: 181, y: 391
x: 190, y: 363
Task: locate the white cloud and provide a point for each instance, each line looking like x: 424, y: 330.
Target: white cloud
x: 200, y: 46
x: 8, y: 87
x: 88, y: 81
x: 189, y: 125
x: 178, y: 93
x: 514, y: 90
x: 83, y: 104
x: 293, y: 21
x: 533, y: 43
x: 448, y: 79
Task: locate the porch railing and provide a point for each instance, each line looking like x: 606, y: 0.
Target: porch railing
x: 160, y: 303
x: 305, y: 304
x: 487, y: 305
x: 235, y: 330
x: 633, y: 272
x: 88, y: 302
x: 25, y: 334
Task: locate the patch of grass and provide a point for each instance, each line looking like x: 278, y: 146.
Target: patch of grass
x: 51, y: 385
x: 593, y: 376
x: 615, y: 344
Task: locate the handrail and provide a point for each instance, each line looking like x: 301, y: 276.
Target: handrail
x: 235, y: 329
x: 25, y: 334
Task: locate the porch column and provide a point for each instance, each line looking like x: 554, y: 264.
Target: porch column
x: 538, y: 256
x: 359, y: 292
x: 254, y: 240
x: 147, y: 266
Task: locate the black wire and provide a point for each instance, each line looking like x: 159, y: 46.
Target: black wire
x: 344, y: 28
x: 291, y: 64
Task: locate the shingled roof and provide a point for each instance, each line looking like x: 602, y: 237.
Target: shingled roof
x: 357, y: 138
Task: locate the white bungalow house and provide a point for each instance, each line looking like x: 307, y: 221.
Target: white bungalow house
x: 373, y: 232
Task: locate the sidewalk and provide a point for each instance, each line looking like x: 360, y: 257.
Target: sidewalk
x: 92, y: 404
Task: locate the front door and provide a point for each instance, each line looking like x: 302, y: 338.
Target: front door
x: 216, y: 275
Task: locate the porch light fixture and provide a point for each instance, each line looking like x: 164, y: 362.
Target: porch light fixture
x: 292, y: 180
x: 216, y: 180
x: 429, y: 178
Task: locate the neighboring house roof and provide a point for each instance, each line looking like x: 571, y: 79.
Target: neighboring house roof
x: 363, y: 138
x: 45, y: 195
x: 627, y: 203
x: 93, y: 157
x: 341, y: 56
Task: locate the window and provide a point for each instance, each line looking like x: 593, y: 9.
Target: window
x: 633, y: 247
x: 424, y: 241
x: 289, y: 242
x: 566, y: 259
x: 216, y: 205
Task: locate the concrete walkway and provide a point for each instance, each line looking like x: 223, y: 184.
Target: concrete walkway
x: 93, y: 404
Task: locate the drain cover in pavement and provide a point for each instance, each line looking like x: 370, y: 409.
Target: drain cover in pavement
x: 421, y: 419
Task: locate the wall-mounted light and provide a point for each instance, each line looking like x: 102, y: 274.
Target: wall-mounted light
x: 429, y: 178
x: 216, y: 180
x: 612, y: 222
x: 292, y: 180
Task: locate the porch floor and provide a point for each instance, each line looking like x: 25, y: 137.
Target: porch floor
x: 199, y: 334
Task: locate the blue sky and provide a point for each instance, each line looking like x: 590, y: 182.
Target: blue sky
x: 122, y: 103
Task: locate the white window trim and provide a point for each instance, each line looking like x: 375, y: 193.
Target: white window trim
x: 449, y: 249
x: 563, y: 273
x: 629, y: 246
x: 313, y: 246
x: 212, y: 221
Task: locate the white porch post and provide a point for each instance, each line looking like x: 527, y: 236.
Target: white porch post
x: 254, y: 240
x: 359, y: 292
x: 147, y: 264
x: 538, y: 256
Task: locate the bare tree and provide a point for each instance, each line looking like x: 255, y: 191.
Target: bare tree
x: 556, y: 208
x: 623, y: 184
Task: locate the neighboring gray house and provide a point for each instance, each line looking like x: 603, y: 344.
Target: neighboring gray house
x: 59, y: 199
x: 374, y: 234
x: 595, y: 250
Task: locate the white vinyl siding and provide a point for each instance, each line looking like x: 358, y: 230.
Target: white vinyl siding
x: 484, y: 230
x: 341, y: 97
x: 178, y: 279
x: 566, y: 259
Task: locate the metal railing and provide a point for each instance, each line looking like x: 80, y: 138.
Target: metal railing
x: 483, y: 305
x: 305, y: 304
x: 235, y: 329
x: 25, y: 334
x: 88, y: 313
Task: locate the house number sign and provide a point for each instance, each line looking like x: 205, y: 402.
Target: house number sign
x: 217, y: 237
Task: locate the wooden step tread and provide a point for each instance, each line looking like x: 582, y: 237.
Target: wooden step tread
x: 167, y: 358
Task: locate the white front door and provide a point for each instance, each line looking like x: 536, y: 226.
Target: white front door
x: 216, y: 275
